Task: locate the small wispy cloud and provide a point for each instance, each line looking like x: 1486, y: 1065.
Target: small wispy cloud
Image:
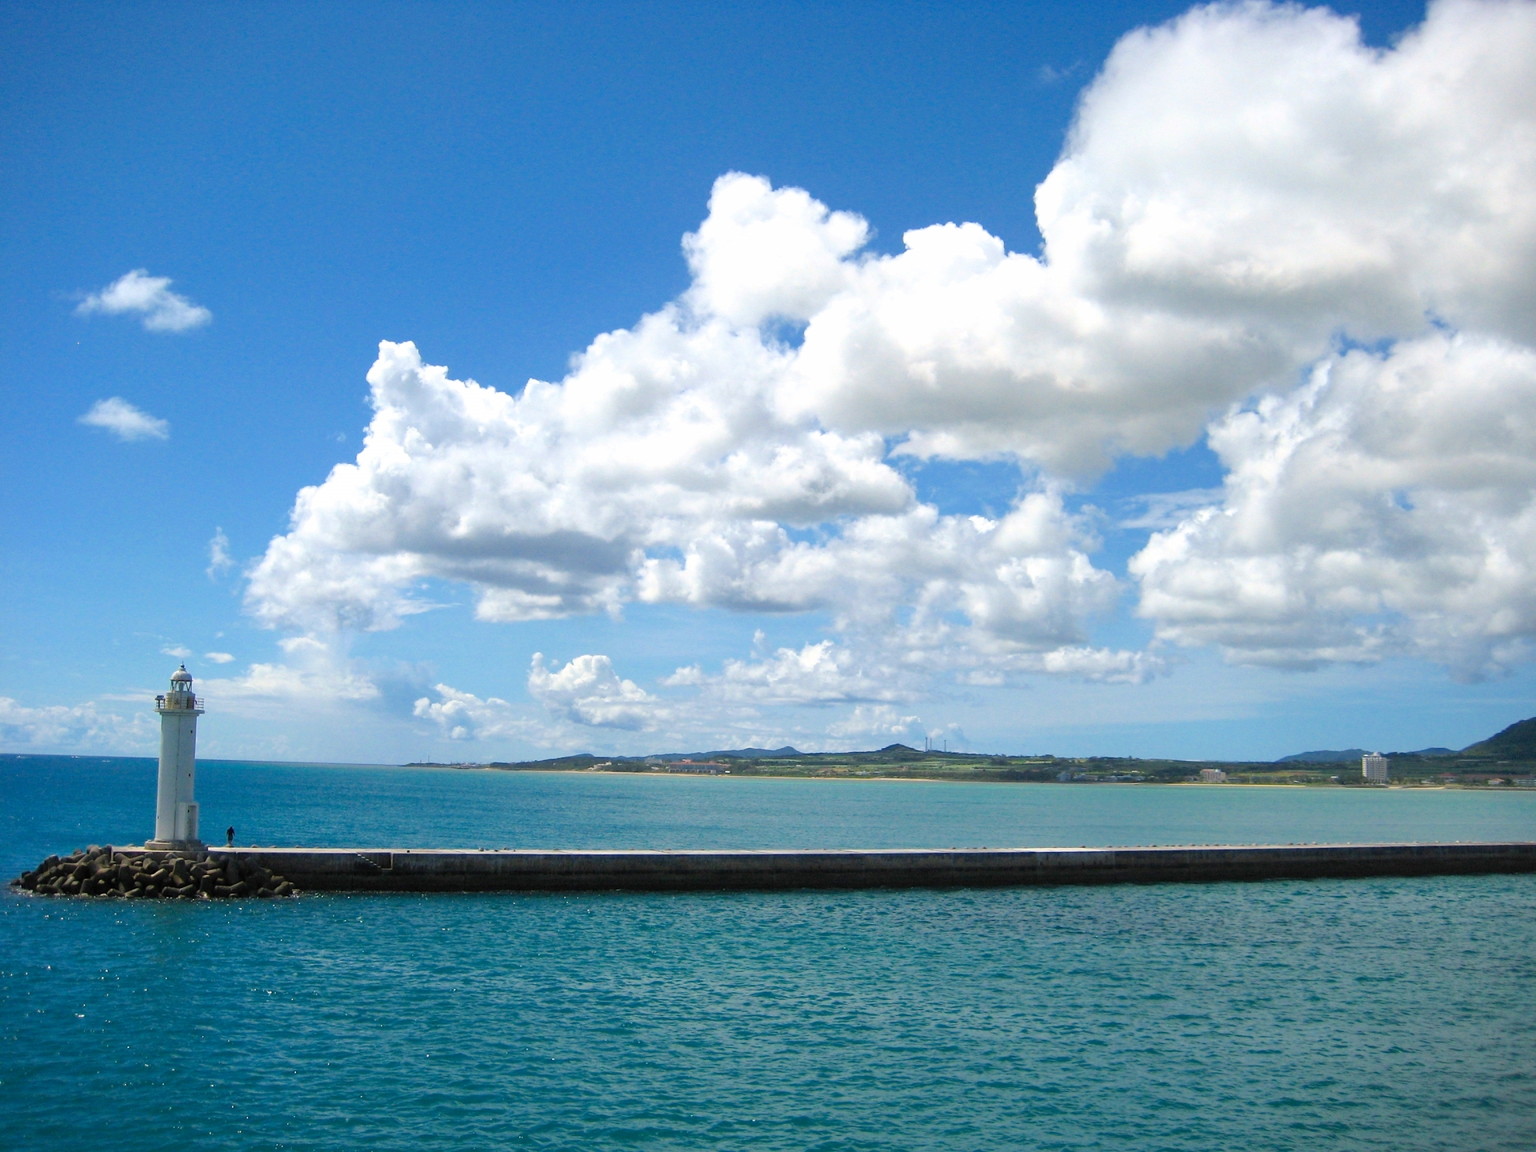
x: 176, y: 651
x: 219, y: 559
x: 218, y: 657
x: 151, y: 298
x: 125, y: 421
x: 1051, y: 74
x: 1161, y: 511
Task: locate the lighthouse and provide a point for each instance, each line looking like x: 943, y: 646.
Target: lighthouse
x: 175, y: 810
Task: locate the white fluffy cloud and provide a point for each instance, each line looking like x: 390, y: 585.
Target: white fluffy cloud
x: 287, y: 684
x: 656, y: 472
x: 125, y: 421
x: 1387, y: 507
x: 880, y: 721
x: 1247, y: 193
x: 1384, y: 506
x: 827, y: 697
x: 465, y: 716
x: 73, y: 728
x: 816, y: 674
x: 588, y: 691
x: 149, y: 297
x: 313, y: 677
x: 1240, y: 185
x: 760, y: 256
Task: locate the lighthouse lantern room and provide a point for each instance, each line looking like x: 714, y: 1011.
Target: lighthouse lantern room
x: 175, y: 809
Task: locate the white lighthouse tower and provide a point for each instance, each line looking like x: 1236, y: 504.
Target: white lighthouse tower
x: 175, y: 810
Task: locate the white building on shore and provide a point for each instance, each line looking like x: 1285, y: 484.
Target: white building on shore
x: 1373, y: 766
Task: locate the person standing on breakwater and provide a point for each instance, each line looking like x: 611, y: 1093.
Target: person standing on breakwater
x: 229, y: 836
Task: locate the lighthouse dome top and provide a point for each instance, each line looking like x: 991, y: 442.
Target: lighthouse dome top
x: 181, y: 676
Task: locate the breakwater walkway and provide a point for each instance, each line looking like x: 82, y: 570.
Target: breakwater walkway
x: 530, y: 870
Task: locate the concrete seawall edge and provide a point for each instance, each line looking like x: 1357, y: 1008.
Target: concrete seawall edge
x: 529, y: 870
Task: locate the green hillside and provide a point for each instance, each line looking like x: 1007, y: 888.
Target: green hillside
x: 1517, y: 742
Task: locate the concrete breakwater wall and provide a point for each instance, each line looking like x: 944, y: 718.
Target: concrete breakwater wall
x: 524, y: 870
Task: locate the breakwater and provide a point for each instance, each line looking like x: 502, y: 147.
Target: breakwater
x: 529, y: 870
x: 138, y: 874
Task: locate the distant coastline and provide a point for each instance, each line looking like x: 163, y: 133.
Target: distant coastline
x: 957, y: 778
x: 1484, y: 766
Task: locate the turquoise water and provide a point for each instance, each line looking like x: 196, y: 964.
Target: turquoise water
x: 1392, y: 1014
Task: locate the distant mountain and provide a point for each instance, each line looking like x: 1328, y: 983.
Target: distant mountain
x: 749, y: 753
x: 723, y: 754
x: 1517, y: 742
x: 1350, y: 755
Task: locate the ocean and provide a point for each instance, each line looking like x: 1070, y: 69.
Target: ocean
x: 1308, y: 1015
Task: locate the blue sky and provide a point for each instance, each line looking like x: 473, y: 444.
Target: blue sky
x: 1218, y: 446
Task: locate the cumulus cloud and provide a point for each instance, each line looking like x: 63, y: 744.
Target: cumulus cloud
x: 150, y: 298
x: 881, y: 721
x: 1248, y: 193
x: 1388, y: 507
x: 72, y: 728
x: 548, y: 501
x: 219, y: 657
x: 313, y: 676
x: 819, y: 674
x: 285, y: 682
x: 125, y: 421
x: 588, y: 691
x: 761, y: 255
x: 627, y: 483
x: 745, y: 705
x: 465, y: 716
x: 1104, y: 665
x: 1239, y: 186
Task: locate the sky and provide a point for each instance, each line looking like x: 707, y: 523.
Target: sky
x: 480, y: 381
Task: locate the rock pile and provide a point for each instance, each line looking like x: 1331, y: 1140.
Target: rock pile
x: 151, y: 875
